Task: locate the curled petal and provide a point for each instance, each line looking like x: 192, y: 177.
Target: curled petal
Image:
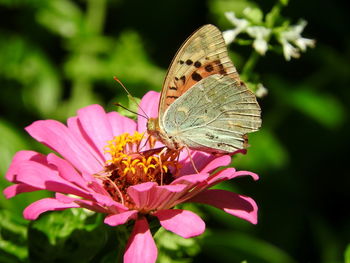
x: 16, y: 189
x: 182, y: 222
x: 67, y: 171
x: 44, y: 177
x: 119, y: 219
x: 19, y: 158
x: 238, y: 205
x: 142, y: 193
x: 165, y: 195
x: 35, y: 209
x: 228, y: 174
x: 141, y: 247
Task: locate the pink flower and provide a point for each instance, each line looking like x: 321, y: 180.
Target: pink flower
x: 103, y: 169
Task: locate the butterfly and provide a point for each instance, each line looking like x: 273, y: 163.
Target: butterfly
x: 204, y: 105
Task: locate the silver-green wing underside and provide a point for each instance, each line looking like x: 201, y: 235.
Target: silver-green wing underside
x: 213, y: 116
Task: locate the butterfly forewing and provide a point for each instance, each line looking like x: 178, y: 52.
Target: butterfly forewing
x: 214, y: 115
x: 203, y: 54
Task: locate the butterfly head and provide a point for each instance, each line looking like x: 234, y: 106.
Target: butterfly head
x: 154, y: 130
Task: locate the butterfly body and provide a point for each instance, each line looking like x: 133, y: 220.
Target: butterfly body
x: 204, y: 105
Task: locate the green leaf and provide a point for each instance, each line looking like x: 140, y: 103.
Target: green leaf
x: 130, y: 103
x: 69, y: 236
x: 13, y: 236
x: 27, y: 65
x: 272, y: 17
x: 254, y: 15
x: 62, y: 17
x: 265, y: 152
x: 173, y: 248
x: 219, y: 7
x: 347, y: 254
x: 59, y: 225
x: 237, y: 246
x: 324, y: 108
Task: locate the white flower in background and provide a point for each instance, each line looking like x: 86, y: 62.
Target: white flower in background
x: 261, y: 91
x: 261, y: 35
x: 293, y: 35
x: 289, y: 50
x: 240, y: 25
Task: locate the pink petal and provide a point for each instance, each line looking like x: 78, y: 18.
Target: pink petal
x: 141, y: 247
x: 204, y: 162
x: 119, y: 219
x: 96, y: 127
x: 43, y: 177
x: 165, y: 196
x: 150, y: 196
x: 19, y: 158
x: 238, y: 205
x: 88, y: 204
x: 67, y: 171
x: 59, y: 138
x: 142, y: 193
x: 77, y: 130
x: 182, y: 222
x: 216, y: 163
x: 228, y: 174
x: 244, y: 173
x: 33, y: 211
x: 191, y: 180
x: 149, y: 104
x: 16, y: 189
x: 121, y: 124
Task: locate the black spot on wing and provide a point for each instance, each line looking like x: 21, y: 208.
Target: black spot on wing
x: 183, y: 79
x: 189, y: 62
x: 209, y: 68
x: 197, y: 64
x: 195, y: 76
x: 222, y: 71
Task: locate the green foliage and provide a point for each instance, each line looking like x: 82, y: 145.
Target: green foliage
x: 238, y: 246
x: 173, y: 248
x: 347, y: 254
x: 60, y: 55
x: 63, y: 233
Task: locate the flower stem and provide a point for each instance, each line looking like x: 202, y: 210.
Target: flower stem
x: 250, y: 64
x: 95, y: 16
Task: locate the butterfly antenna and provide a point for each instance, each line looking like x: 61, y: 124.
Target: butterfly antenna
x: 117, y: 80
x: 125, y: 108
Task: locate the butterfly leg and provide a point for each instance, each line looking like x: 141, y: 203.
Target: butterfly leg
x: 189, y: 155
x: 161, y: 165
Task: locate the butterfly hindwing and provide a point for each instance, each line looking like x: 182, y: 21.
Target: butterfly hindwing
x: 214, y: 115
x: 203, y: 54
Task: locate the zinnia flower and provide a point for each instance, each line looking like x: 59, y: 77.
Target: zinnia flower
x: 107, y: 165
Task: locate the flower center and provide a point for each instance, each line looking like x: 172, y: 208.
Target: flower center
x: 129, y: 165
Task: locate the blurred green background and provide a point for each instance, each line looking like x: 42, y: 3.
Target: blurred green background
x: 60, y: 55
